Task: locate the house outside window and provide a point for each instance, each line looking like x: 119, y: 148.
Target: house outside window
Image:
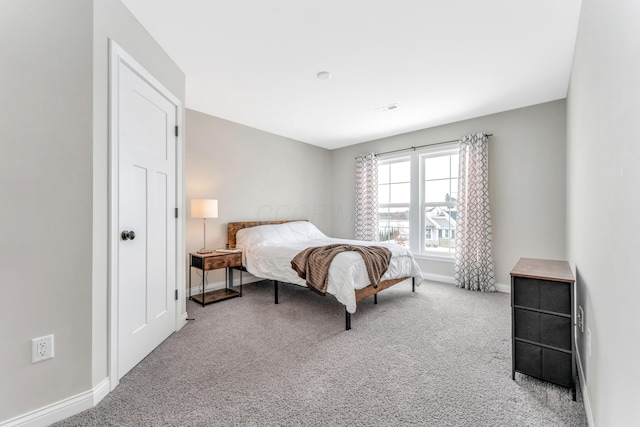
x: 440, y: 197
x: 417, y: 196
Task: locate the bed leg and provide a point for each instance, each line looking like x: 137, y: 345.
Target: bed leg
x: 275, y: 291
x: 347, y: 319
x: 375, y: 298
x: 413, y: 284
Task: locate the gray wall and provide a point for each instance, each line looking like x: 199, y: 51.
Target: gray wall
x: 603, y: 124
x: 254, y: 175
x: 54, y: 192
x: 45, y: 208
x: 526, y: 178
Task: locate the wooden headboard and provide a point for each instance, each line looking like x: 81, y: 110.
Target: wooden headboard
x: 234, y: 227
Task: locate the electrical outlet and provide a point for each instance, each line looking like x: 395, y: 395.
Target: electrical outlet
x: 41, y: 348
x: 581, y: 319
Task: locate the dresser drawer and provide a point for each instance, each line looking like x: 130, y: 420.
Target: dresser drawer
x: 555, y: 296
x: 223, y: 261
x: 235, y: 260
x: 556, y: 367
x: 212, y: 263
x: 528, y: 359
x: 543, y: 328
x: 544, y: 363
x: 542, y: 294
x: 555, y: 331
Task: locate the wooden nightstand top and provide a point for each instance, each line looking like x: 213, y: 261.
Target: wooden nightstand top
x: 543, y: 269
x: 214, y: 254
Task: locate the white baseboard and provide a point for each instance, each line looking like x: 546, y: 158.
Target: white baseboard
x: 101, y: 391
x: 583, y: 388
x: 61, y: 410
x: 500, y: 287
x: 439, y: 278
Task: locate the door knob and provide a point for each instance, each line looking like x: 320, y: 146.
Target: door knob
x: 128, y: 235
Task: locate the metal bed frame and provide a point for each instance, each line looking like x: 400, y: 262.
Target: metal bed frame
x: 234, y: 227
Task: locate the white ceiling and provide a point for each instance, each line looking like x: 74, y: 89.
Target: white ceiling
x: 255, y: 62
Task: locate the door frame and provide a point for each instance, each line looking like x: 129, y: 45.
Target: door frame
x: 118, y: 56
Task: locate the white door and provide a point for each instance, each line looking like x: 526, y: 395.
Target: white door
x: 146, y: 282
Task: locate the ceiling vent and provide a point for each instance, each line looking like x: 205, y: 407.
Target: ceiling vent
x: 387, y: 108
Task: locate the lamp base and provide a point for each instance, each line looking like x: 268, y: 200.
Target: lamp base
x: 205, y: 251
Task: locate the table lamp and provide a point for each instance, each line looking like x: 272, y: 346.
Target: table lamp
x: 204, y: 208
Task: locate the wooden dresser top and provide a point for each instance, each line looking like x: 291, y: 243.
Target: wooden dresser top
x: 546, y: 269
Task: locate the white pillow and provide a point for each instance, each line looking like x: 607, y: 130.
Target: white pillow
x: 289, y: 232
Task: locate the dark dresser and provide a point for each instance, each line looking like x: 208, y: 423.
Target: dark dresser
x: 542, y: 300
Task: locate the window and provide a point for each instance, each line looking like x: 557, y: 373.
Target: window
x: 439, y: 199
x: 394, y: 200
x: 417, y: 199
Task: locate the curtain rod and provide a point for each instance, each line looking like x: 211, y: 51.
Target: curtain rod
x: 425, y: 145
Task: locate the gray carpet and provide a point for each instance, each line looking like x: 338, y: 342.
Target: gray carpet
x: 439, y: 357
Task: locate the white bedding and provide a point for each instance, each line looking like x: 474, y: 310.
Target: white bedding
x: 269, y: 249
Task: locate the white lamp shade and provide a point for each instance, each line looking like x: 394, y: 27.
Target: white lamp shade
x: 204, y: 208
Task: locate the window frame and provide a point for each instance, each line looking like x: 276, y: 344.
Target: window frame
x: 417, y: 222
x: 439, y: 151
x: 390, y: 205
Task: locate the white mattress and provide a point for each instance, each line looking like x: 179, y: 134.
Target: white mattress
x: 269, y: 249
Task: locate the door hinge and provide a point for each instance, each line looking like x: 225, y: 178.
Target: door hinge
x: 176, y: 130
x: 176, y: 212
x: 176, y: 295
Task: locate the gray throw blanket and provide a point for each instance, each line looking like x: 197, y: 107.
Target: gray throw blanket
x: 312, y: 264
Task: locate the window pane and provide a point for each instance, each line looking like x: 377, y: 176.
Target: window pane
x: 440, y: 229
x: 394, y: 225
x: 436, y: 167
x: 440, y: 187
x: 455, y: 159
x: 400, y: 172
x: 383, y: 174
x: 400, y: 193
x: 383, y: 193
x: 437, y: 191
x: 454, y: 190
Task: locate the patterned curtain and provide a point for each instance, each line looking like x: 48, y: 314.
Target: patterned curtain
x: 474, y: 258
x: 367, y: 197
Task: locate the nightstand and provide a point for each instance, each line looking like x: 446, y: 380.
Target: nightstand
x: 214, y: 261
x: 543, y: 336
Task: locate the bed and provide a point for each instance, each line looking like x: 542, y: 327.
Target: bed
x: 268, y: 248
